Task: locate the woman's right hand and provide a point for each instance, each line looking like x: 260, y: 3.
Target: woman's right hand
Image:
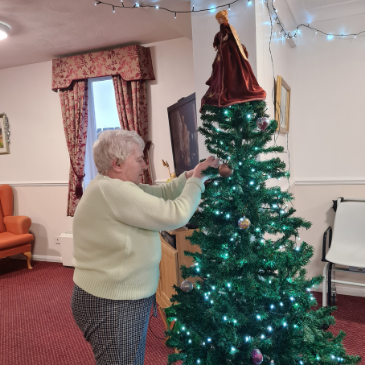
x: 211, y: 161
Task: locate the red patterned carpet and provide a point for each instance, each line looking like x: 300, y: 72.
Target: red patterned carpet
x: 37, y: 327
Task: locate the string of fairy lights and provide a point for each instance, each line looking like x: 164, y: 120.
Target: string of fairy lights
x: 286, y: 34
x: 157, y: 7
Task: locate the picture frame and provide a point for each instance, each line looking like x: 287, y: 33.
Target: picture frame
x: 184, y: 134
x: 282, y: 110
x: 4, y: 134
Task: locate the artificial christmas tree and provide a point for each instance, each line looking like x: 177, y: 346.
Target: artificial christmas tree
x: 251, y: 295
x: 251, y: 303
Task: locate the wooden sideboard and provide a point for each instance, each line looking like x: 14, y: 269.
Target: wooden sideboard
x: 171, y: 261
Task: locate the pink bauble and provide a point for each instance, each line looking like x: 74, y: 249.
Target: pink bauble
x: 256, y: 356
x: 186, y: 286
x: 262, y: 123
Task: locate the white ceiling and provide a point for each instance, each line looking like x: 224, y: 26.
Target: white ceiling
x: 45, y: 29
x: 310, y: 11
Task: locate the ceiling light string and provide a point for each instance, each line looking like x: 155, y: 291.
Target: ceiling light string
x: 329, y: 35
x: 296, y: 32
x: 175, y: 12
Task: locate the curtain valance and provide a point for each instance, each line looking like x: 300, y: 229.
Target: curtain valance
x: 131, y: 63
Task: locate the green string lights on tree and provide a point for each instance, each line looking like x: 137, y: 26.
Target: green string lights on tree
x: 251, y: 295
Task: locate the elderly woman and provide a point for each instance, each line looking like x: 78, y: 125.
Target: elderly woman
x: 117, y: 249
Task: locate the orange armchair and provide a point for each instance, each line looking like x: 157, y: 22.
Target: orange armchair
x: 14, y: 230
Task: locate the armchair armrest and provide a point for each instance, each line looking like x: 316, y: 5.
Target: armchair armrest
x: 17, y: 224
x: 327, y: 233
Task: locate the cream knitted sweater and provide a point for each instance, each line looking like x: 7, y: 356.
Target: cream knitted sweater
x: 117, y: 248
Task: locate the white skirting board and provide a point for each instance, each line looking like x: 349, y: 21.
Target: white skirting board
x: 39, y: 258
x: 354, y: 291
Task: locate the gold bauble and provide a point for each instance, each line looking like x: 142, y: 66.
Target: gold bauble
x: 244, y: 223
x: 224, y: 170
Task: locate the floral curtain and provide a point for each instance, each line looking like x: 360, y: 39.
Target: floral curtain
x: 75, y: 118
x: 131, y: 63
x: 130, y: 67
x: 131, y: 98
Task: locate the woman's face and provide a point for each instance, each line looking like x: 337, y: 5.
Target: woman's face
x: 220, y: 20
x: 134, y: 165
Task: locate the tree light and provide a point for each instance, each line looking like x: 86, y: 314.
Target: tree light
x: 209, y: 339
x: 258, y: 317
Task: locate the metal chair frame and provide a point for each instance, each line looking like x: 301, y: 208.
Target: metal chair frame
x: 329, y: 289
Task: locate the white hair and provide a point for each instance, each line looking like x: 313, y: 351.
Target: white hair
x: 112, y: 146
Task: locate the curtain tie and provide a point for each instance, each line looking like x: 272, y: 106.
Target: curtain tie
x: 78, y: 189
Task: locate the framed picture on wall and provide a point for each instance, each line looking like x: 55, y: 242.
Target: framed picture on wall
x: 282, y: 110
x: 4, y: 134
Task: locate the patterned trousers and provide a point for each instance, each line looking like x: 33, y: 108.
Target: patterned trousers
x: 116, y: 329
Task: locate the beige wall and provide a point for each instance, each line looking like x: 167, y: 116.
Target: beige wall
x: 328, y: 134
x: 283, y: 65
x: 329, y: 94
x: 174, y: 70
x: 38, y: 163
x: 325, y: 139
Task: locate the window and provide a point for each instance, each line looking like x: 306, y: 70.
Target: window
x: 103, y: 115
